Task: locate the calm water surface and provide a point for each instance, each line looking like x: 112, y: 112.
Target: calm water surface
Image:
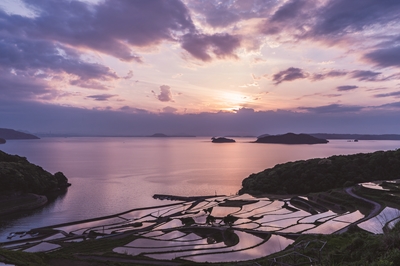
x: 111, y: 175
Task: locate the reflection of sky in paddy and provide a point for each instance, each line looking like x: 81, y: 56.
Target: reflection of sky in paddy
x: 297, y: 228
x: 312, y: 218
x: 252, y: 209
x: 375, y: 224
x: 170, y: 235
x: 283, y: 222
x: 327, y: 228
x: 274, y: 244
x: 393, y: 223
x: 171, y: 224
x: 373, y: 185
x: 350, y: 218
x: 88, y: 225
x: 246, y: 241
x: 247, y: 225
x: 244, y: 197
x: 220, y: 211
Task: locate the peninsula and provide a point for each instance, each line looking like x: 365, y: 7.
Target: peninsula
x: 7, y: 133
x: 24, y: 185
x: 290, y: 138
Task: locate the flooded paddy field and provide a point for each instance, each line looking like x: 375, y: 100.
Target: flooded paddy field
x: 223, y: 228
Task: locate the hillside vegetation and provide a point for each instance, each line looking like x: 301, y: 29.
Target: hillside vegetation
x: 316, y: 175
x: 19, y: 175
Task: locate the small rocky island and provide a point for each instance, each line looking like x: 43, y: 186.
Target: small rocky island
x: 2, y: 141
x: 290, y: 138
x: 25, y: 186
x: 222, y: 140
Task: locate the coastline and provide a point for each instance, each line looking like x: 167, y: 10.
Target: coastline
x: 23, y: 202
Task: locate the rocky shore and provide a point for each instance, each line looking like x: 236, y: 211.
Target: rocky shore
x: 25, y: 186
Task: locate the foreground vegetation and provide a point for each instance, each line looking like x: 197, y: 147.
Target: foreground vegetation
x: 315, y: 175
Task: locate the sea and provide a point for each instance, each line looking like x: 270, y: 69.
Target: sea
x: 115, y: 174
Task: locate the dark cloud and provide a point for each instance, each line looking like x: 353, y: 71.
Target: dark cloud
x: 289, y: 74
x: 329, y: 74
x: 333, y: 108
x: 22, y: 86
x: 32, y: 55
x: 385, y: 57
x: 395, y: 94
x: 289, y: 11
x: 110, y: 27
x: 101, y: 97
x: 346, y: 87
x: 169, y: 110
x: 36, y: 117
x: 133, y: 110
x: 391, y: 105
x: 342, y: 17
x: 365, y: 75
x: 201, y: 46
x: 165, y: 94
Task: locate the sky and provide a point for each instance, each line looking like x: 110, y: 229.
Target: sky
x: 200, y: 67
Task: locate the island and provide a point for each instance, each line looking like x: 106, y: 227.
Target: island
x: 222, y: 140
x: 7, y: 134
x: 2, y: 141
x: 290, y: 138
x: 316, y: 175
x: 24, y: 186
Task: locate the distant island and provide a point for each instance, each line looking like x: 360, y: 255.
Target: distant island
x: 356, y: 136
x: 7, y: 134
x: 162, y: 135
x: 290, y: 138
x: 24, y: 185
x: 316, y: 175
x: 2, y: 141
x: 222, y: 140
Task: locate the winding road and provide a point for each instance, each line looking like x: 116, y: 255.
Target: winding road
x: 375, y: 211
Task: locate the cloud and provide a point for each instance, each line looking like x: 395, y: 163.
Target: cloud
x: 342, y: 17
x: 169, y: 109
x: 165, y: 94
x: 332, y: 108
x: 328, y: 74
x: 289, y: 74
x: 101, y: 97
x: 203, y: 46
x: 36, y: 117
x: 110, y: 27
x: 346, y: 87
x: 395, y: 94
x: 385, y: 57
x: 365, y: 75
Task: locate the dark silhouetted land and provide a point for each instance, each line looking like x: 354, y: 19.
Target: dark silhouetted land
x: 7, y: 133
x: 290, y: 138
x: 222, y: 140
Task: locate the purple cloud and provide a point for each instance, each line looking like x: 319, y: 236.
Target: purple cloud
x: 201, y: 46
x: 385, y: 57
x: 101, y: 97
x: 289, y: 74
x: 346, y: 87
x: 333, y: 108
x: 395, y: 94
x: 110, y: 27
x: 165, y: 94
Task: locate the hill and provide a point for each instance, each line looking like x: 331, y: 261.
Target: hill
x: 7, y: 133
x: 357, y: 136
x: 316, y: 175
x: 290, y: 138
